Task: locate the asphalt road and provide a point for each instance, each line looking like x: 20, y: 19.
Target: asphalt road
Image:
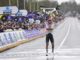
x: 67, y: 44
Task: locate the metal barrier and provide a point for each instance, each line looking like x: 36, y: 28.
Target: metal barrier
x: 15, y: 36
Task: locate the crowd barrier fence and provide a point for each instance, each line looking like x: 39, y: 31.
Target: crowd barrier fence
x: 7, y: 38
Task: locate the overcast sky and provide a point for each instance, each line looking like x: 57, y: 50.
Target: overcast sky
x: 60, y: 1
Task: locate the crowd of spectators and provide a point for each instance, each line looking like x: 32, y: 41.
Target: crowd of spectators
x: 31, y: 21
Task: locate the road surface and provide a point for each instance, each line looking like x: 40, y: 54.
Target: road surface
x: 67, y: 44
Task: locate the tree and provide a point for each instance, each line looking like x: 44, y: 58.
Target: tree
x: 68, y: 6
x: 14, y: 2
x: 4, y: 2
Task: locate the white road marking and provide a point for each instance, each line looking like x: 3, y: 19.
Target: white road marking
x: 65, y: 37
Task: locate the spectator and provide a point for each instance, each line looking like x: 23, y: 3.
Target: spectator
x: 1, y: 28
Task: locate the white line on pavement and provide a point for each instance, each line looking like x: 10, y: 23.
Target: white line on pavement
x: 64, y: 38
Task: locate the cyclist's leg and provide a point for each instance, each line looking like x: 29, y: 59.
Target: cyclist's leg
x: 52, y: 42
x: 47, y: 42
